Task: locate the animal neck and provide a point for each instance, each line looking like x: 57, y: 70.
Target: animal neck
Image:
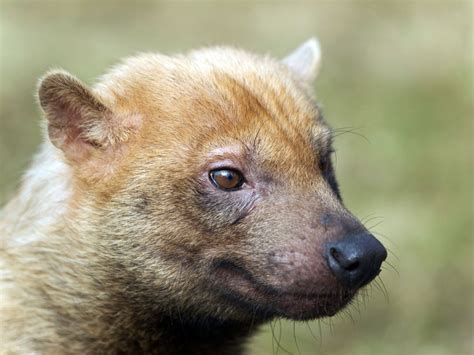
x: 175, y: 335
x: 113, y: 319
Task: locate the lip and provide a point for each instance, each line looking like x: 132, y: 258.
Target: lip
x: 239, y: 287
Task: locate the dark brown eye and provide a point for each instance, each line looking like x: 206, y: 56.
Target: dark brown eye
x: 226, y: 179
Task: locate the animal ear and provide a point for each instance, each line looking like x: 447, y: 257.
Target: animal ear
x: 78, y: 122
x: 305, y: 60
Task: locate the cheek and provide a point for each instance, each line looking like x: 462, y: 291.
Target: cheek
x: 222, y: 209
x: 215, y: 208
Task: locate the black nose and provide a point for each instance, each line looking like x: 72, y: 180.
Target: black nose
x: 355, y: 260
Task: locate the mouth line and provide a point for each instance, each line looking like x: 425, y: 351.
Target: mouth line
x: 233, y: 268
x: 241, y: 287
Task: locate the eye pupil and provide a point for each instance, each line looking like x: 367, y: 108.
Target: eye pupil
x: 226, y: 179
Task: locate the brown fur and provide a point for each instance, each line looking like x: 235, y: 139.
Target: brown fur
x: 141, y: 253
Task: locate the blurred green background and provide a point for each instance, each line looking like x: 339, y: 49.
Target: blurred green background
x: 399, y: 75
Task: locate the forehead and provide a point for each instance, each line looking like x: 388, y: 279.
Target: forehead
x: 273, y: 117
x: 224, y: 94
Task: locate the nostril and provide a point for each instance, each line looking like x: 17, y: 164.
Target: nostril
x: 334, y: 253
x: 352, y: 266
x: 349, y: 264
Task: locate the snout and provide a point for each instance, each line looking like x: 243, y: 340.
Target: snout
x: 355, y: 260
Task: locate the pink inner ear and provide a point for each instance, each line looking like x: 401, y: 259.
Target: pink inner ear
x: 81, y: 125
x: 66, y: 130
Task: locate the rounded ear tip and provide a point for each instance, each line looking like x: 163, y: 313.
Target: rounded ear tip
x: 315, y: 46
x: 54, y: 76
x: 49, y: 83
x: 305, y: 60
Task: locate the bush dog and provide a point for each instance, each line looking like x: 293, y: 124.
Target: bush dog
x: 175, y: 206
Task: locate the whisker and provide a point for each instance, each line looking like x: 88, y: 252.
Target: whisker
x: 386, y: 294
x: 357, y: 306
x: 369, y: 218
x: 347, y: 312
x: 278, y: 343
x: 320, y: 334
x: 379, y: 234
x: 279, y: 332
x: 392, y: 253
x: 375, y: 225
x: 377, y: 286
x: 310, y: 330
x: 362, y: 219
x: 392, y: 268
x: 253, y: 320
x: 343, y: 130
x: 294, y: 338
x: 273, y: 338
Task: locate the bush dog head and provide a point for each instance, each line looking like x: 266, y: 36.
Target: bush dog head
x: 206, y: 183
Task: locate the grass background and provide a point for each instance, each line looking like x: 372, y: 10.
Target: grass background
x: 397, y: 73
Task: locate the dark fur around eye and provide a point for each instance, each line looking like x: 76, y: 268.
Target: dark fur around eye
x: 326, y: 166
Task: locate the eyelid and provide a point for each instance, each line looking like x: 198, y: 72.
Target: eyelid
x: 223, y: 164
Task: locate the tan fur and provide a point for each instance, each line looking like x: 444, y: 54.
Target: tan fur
x: 106, y: 240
